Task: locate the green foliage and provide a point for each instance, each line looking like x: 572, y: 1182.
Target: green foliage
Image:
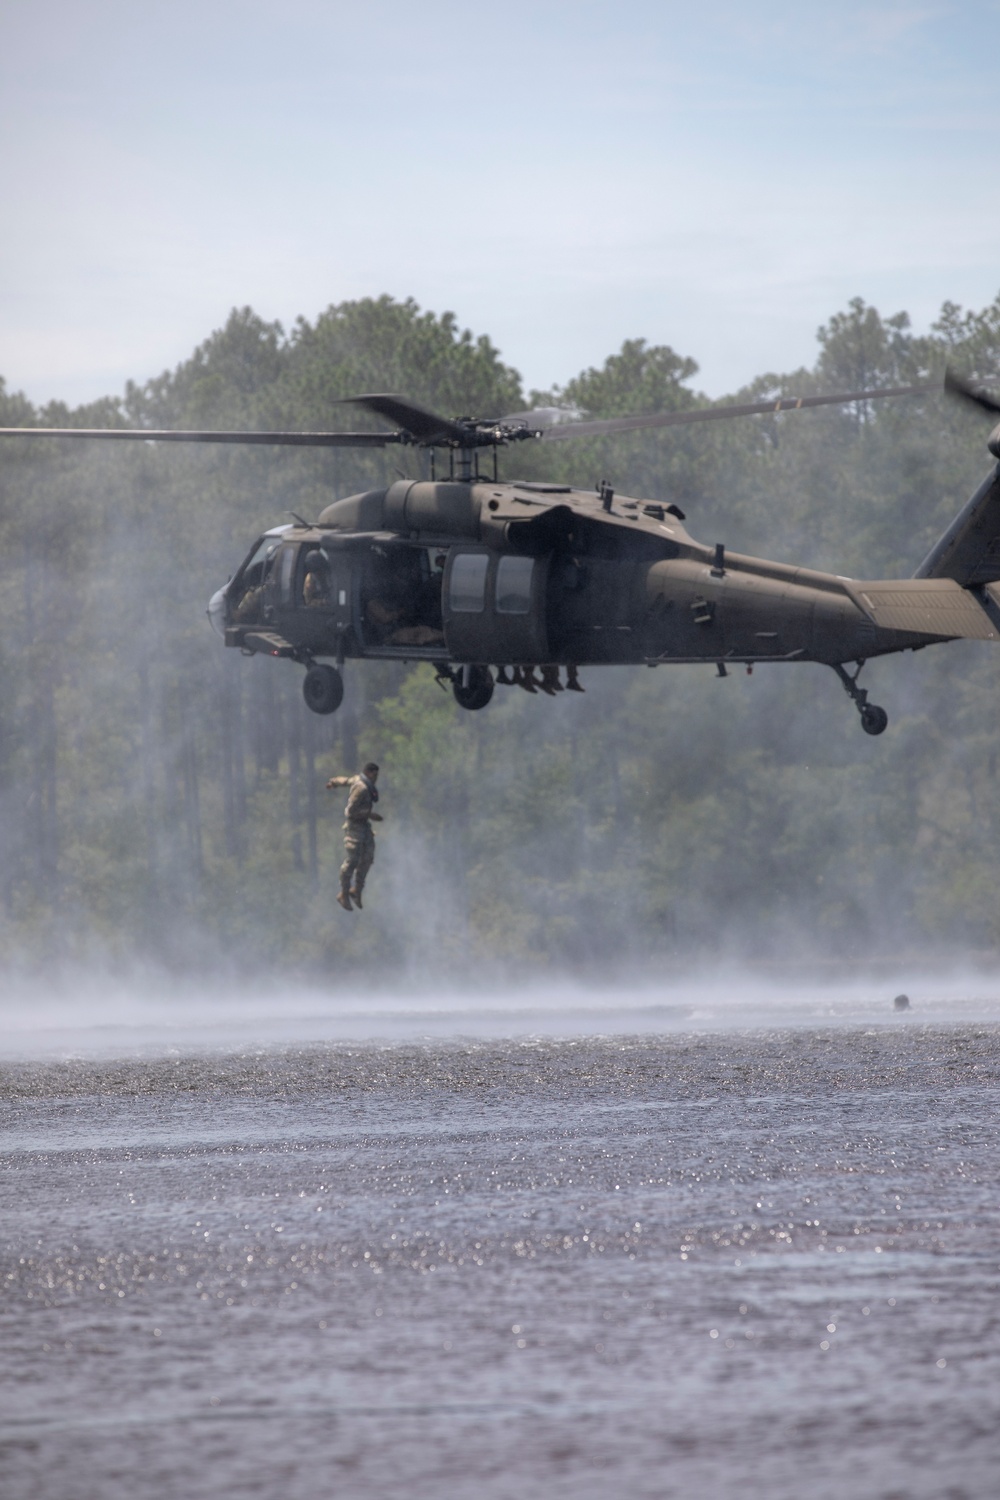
x: 638, y: 381
x: 161, y: 797
x: 861, y: 350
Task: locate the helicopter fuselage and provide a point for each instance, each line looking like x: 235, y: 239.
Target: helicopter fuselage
x: 530, y: 574
x: 471, y: 573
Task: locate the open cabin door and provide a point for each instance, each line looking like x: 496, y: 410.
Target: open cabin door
x: 399, y: 600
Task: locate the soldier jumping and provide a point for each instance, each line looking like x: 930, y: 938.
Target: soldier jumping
x: 359, y: 837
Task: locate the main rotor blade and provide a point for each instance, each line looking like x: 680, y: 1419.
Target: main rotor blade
x: 955, y: 385
x: 422, y: 426
x: 275, y: 439
x: 720, y: 413
x: 426, y: 426
x: 538, y: 416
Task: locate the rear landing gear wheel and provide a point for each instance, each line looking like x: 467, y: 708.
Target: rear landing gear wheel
x: 873, y: 719
x: 472, y: 686
x: 323, y: 689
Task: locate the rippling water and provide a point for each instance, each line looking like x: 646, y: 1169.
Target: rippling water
x: 678, y: 1262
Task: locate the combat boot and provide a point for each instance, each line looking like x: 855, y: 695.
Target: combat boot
x: 344, y: 898
x: 550, y: 679
x: 356, y: 898
x: 572, y: 681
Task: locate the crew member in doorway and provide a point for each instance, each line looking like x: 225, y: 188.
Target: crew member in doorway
x: 359, y: 838
x: 316, y: 584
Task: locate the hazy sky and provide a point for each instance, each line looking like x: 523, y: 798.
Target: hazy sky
x: 562, y: 176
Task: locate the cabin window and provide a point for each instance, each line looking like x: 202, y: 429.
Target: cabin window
x: 514, y: 585
x: 467, y: 590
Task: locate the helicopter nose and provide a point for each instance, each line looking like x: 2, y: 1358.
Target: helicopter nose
x: 217, y: 610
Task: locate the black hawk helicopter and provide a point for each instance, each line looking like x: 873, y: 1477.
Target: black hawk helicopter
x: 471, y: 573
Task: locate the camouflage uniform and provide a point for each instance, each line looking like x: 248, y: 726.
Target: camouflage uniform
x: 359, y: 838
x: 315, y: 592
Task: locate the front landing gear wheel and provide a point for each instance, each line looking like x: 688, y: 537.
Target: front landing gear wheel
x: 323, y: 689
x: 873, y: 719
x: 473, y: 687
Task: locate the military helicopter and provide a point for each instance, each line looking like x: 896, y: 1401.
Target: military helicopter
x: 471, y: 573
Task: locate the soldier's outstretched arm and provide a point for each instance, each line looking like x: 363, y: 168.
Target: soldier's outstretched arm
x: 338, y: 781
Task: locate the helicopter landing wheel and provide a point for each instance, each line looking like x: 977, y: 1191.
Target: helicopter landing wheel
x: 323, y: 689
x: 473, y: 687
x: 873, y: 719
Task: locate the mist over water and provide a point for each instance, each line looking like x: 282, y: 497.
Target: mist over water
x: 84, y: 1016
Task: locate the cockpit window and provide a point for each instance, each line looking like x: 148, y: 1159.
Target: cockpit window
x: 247, y: 594
x: 265, y: 550
x: 289, y: 557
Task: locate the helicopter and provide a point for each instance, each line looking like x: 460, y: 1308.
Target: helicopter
x: 509, y: 583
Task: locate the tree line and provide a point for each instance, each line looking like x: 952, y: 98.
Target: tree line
x: 162, y: 798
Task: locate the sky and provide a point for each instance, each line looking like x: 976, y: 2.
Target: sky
x: 562, y: 176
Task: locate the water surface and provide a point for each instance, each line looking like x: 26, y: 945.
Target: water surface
x: 684, y: 1260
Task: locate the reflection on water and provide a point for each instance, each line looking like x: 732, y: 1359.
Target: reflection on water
x: 683, y: 1259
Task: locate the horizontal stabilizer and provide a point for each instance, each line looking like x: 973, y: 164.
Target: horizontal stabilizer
x: 929, y: 606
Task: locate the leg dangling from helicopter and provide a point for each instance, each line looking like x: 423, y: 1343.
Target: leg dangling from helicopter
x: 873, y: 718
x: 547, y: 681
